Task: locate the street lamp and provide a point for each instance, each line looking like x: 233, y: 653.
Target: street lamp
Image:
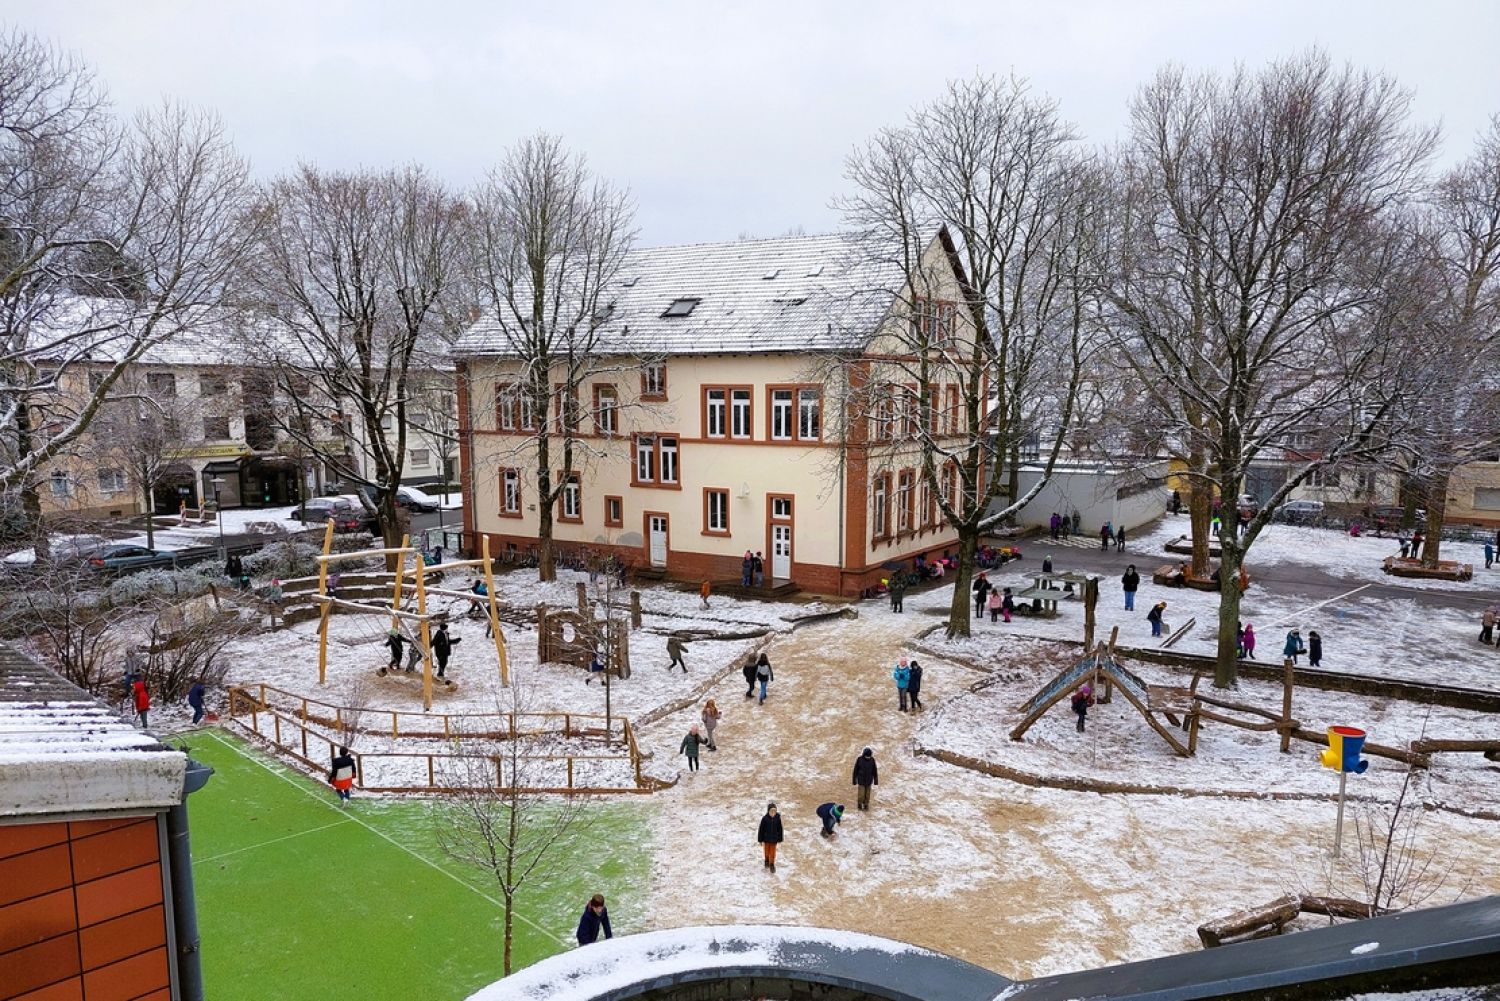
x: 218, y: 483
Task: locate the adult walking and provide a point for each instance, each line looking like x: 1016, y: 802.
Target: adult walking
x: 711, y: 716
x: 341, y: 774
x: 866, y: 775
x: 675, y: 648
x: 442, y: 648
x: 1155, y: 617
x: 1120, y: 539
x: 897, y: 589
x: 902, y: 674
x: 914, y: 686
x: 1314, y: 648
x: 1130, y: 582
x: 830, y: 814
x: 981, y: 594
x: 594, y: 920
x: 770, y: 835
x: 690, y: 745
x: 764, y: 675
x: 142, y: 701
x: 1106, y: 536
x: 749, y: 672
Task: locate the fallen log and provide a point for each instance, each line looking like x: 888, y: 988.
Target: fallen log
x: 1252, y: 922
x: 1340, y: 907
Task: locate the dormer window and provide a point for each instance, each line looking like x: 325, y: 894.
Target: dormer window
x: 681, y: 307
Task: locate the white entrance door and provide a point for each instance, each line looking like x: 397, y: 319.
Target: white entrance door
x: 658, y: 541
x: 781, y: 552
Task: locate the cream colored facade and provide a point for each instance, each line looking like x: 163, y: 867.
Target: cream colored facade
x: 741, y: 451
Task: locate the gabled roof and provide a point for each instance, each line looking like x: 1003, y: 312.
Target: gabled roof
x: 794, y: 293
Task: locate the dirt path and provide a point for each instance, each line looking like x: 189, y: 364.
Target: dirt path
x: 1021, y: 881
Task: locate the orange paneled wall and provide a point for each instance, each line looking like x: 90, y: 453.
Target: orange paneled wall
x: 81, y: 912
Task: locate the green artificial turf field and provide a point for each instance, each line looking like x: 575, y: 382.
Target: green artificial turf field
x: 298, y: 898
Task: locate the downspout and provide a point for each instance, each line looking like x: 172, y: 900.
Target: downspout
x: 184, y: 900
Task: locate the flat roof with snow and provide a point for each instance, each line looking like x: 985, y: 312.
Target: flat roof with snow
x: 62, y: 752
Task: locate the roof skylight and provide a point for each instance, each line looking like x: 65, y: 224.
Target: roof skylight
x: 681, y: 307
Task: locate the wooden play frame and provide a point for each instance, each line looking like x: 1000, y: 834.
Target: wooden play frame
x: 397, y: 613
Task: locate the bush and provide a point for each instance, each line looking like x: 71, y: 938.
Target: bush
x: 185, y: 582
x: 284, y: 560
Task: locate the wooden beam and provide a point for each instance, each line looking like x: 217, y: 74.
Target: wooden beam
x: 489, y: 583
x: 426, y: 634
x: 394, y: 613
x: 400, y: 577
x: 361, y: 554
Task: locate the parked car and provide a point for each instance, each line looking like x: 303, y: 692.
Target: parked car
x: 1247, y: 505
x: 1300, y: 512
x: 346, y: 512
x: 123, y: 557
x: 414, y: 499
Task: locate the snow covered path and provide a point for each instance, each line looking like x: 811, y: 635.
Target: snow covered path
x: 1023, y: 881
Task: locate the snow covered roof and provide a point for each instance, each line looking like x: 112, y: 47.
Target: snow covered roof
x: 63, y: 752
x: 795, y: 293
x: 627, y: 966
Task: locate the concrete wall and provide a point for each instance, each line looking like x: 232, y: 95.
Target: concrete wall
x: 1095, y: 494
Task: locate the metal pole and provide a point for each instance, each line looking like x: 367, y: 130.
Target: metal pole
x: 1338, y: 831
x: 184, y: 903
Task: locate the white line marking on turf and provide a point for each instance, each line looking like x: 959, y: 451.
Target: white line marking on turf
x: 288, y: 837
x: 381, y: 834
x: 1312, y: 608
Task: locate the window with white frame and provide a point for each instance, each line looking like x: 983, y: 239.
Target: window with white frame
x: 645, y: 459
x: 739, y: 413
x: 781, y: 415
x: 505, y: 408
x: 572, y: 500
x: 1325, y: 477
x: 387, y: 421
x: 929, y: 504
x: 510, y: 491
x: 161, y: 385
x: 903, y: 502
x: 809, y: 414
x: 668, y: 448
x: 715, y: 405
x: 606, y: 410
x: 111, y: 481
x: 654, y: 381
x: 421, y: 457
x: 60, y: 484
x: 716, y: 511
x: 878, y: 494
x: 528, y: 411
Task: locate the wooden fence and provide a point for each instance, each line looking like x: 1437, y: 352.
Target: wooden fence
x: 291, y: 723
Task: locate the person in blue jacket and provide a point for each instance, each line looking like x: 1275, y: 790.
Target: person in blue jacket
x: 830, y: 814
x: 902, y: 674
x: 595, y: 917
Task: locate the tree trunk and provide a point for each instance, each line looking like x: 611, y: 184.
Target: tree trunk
x: 1437, y: 503
x: 390, y: 525
x: 962, y: 604
x: 1200, y: 523
x: 509, y: 928
x: 546, y: 560
x: 151, y: 517
x: 1226, y: 662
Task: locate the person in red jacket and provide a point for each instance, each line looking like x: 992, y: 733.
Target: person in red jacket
x: 142, y: 701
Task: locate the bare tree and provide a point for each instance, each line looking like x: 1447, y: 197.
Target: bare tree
x: 1255, y: 276
x: 112, y: 239
x: 489, y: 819
x: 1456, y: 402
x: 974, y: 372
x: 360, y: 271
x: 549, y: 240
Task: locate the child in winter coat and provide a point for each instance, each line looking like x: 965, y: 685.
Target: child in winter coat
x: 902, y: 674
x: 1007, y: 605
x: 1314, y: 649
x: 995, y: 602
x: 195, y: 699
x: 705, y: 591
x: 142, y: 700
x: 711, y: 716
x: 342, y: 773
x: 1155, y: 617
x: 770, y: 835
x: 595, y: 919
x: 1293, y: 646
x: 1249, y: 641
x: 1082, y: 699
x: 749, y: 672
x: 830, y: 814
x: 675, y: 647
x: 764, y: 675
x: 914, y: 686
x: 690, y: 747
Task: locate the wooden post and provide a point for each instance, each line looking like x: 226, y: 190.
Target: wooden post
x: 635, y: 609
x: 1286, y: 706
x: 489, y: 583
x: 327, y: 605
x: 583, y: 597
x: 426, y: 632
x: 400, y: 580
x: 1090, y: 599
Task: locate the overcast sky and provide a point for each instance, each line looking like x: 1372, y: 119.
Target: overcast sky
x: 723, y: 120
